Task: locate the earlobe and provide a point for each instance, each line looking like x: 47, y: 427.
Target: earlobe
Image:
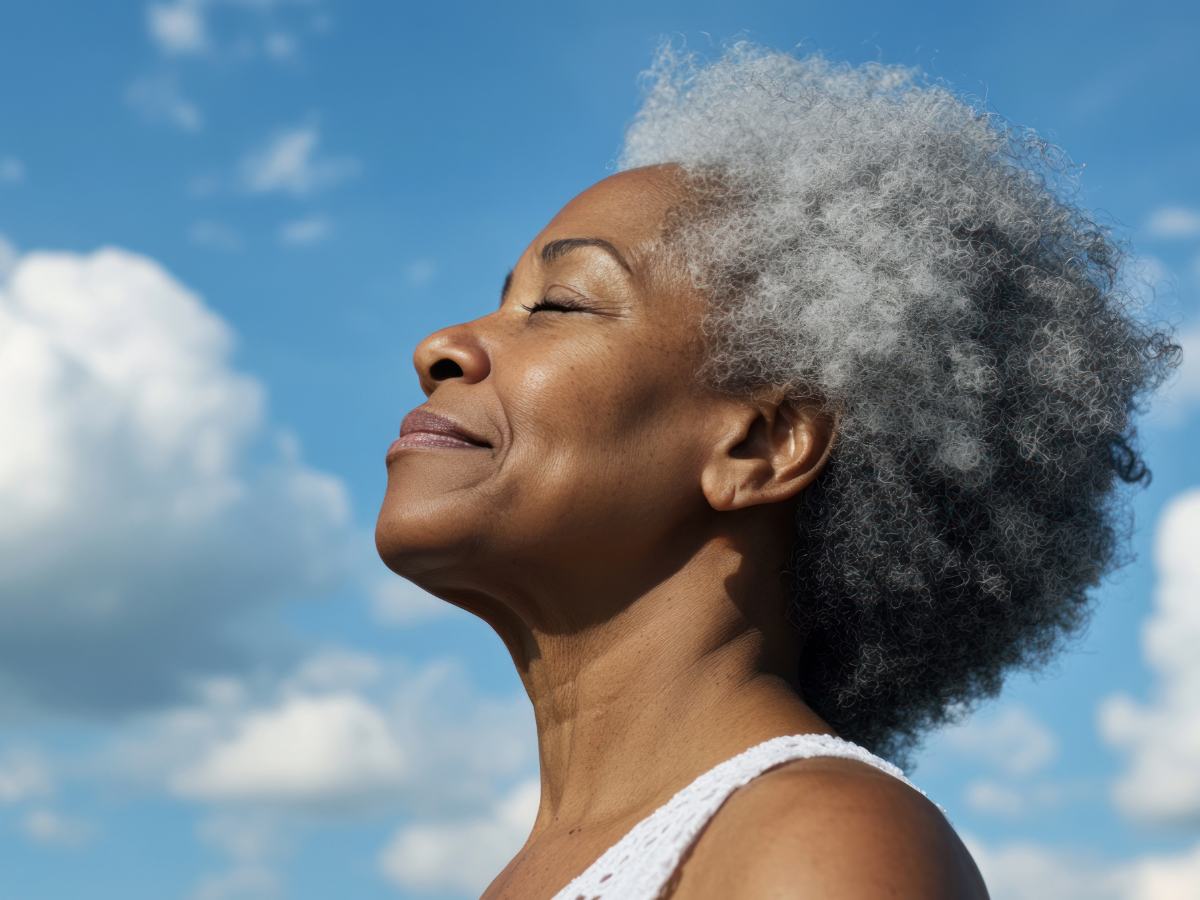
x: 719, y: 491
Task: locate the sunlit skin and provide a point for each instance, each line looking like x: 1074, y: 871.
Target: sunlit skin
x: 624, y: 535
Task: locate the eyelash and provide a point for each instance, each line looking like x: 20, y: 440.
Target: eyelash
x: 556, y: 305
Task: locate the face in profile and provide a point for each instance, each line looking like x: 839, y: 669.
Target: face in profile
x: 588, y: 429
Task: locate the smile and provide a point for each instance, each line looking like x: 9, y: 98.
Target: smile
x: 430, y: 439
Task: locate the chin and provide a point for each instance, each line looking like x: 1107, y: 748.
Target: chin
x: 410, y: 545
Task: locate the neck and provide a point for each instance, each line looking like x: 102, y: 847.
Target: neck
x: 632, y: 708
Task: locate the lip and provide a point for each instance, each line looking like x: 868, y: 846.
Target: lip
x: 424, y: 428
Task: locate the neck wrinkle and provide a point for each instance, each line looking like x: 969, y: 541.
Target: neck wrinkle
x: 630, y: 710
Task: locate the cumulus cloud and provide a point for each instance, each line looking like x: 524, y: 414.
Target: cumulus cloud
x: 245, y: 838
x: 397, y: 601
x: 289, y: 163
x: 1028, y: 871
x: 310, y: 750
x: 148, y: 502
x: 429, y: 856
x: 1174, y: 222
x: 253, y: 846
x: 8, y: 258
x: 24, y: 773
x: 1014, y: 746
x: 1014, y: 800
x: 158, y: 99
x: 184, y: 28
x: 343, y: 733
x: 340, y: 735
x: 241, y: 883
x: 46, y: 826
x: 1162, y: 736
x: 1010, y: 739
x: 178, y: 28
x: 302, y: 232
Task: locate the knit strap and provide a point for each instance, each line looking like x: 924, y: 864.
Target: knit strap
x: 641, y: 863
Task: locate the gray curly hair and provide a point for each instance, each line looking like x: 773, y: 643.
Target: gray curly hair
x: 869, y: 238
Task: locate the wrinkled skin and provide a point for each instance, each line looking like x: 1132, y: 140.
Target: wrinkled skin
x: 624, y: 533
x: 610, y: 464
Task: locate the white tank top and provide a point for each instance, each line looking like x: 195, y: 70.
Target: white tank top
x: 641, y: 863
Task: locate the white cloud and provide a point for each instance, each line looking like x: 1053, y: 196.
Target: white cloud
x: 1015, y: 800
x: 23, y: 774
x: 429, y: 856
x: 218, y: 236
x: 178, y: 28
x: 344, y: 732
x: 144, y: 508
x: 45, y: 826
x: 340, y: 735
x: 249, y: 882
x: 12, y: 170
x: 1028, y: 871
x: 397, y: 601
x: 302, y: 232
x: 993, y: 798
x: 8, y: 258
x: 184, y: 28
x: 289, y: 163
x: 1174, y: 222
x: 317, y: 750
x: 253, y: 845
x: 1011, y: 739
x: 244, y: 838
x: 1164, y: 877
x: 1162, y: 737
x: 158, y: 99
x: 337, y: 668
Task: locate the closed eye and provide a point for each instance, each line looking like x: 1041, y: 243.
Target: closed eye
x: 554, y: 305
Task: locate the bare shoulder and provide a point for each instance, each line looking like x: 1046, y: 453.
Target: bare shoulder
x: 831, y: 828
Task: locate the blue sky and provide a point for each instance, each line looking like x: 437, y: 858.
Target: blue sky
x: 225, y: 225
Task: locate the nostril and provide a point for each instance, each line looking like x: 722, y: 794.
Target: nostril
x: 445, y: 368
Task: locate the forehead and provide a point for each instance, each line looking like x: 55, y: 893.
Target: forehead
x: 627, y: 209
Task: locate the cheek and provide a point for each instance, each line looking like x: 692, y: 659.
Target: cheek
x: 587, y: 400
x: 604, y: 427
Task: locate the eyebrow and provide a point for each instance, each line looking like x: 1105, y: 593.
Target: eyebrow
x: 556, y: 249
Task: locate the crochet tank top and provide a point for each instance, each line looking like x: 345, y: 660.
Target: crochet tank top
x: 641, y: 863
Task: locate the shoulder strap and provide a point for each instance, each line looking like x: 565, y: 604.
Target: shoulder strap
x: 639, y: 865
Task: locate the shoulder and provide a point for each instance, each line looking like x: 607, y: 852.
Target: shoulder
x: 831, y: 828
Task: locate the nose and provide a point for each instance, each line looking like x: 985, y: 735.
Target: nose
x: 453, y: 352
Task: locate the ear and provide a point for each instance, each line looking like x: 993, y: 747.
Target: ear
x: 773, y: 446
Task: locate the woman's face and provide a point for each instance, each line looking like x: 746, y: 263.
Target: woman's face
x: 596, y: 426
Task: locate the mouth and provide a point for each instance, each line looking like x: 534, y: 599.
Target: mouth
x: 425, y: 428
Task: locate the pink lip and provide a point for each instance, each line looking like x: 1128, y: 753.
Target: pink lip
x: 423, y: 428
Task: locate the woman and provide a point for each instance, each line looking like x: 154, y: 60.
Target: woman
x: 784, y: 444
